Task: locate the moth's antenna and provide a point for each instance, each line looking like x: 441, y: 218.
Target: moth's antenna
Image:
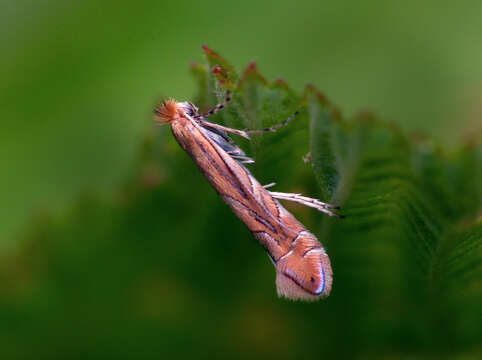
x: 215, y: 109
x: 274, y: 127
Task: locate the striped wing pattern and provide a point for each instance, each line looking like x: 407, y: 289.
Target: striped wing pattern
x: 302, y: 266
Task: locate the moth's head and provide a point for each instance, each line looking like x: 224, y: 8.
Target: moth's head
x: 170, y: 110
x: 304, y: 275
x: 189, y: 108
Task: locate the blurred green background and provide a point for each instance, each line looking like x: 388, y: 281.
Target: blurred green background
x: 78, y: 84
x: 79, y: 78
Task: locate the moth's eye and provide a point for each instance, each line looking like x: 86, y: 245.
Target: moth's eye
x: 191, y: 110
x: 188, y: 111
x: 188, y: 108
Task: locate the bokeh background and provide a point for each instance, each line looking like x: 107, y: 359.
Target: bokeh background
x: 78, y: 81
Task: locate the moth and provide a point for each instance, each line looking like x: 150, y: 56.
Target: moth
x: 303, y: 269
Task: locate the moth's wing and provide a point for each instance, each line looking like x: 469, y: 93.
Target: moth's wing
x: 274, y: 227
x: 205, y: 125
x: 226, y: 143
x: 302, y: 266
x: 264, y: 208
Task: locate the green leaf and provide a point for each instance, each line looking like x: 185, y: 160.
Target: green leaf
x: 163, y: 267
x: 327, y: 141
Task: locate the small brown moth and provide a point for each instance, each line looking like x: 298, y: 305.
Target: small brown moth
x: 303, y: 269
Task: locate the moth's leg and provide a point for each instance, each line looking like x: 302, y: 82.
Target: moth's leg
x: 242, y: 133
x: 224, y: 128
x: 215, y: 109
x: 274, y: 127
x: 241, y: 158
x: 300, y: 198
x: 269, y: 185
x: 314, y: 203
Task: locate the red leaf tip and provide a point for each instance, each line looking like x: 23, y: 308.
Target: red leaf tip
x: 320, y: 96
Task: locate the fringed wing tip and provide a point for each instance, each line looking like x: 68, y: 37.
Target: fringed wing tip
x: 288, y: 289
x: 308, y: 277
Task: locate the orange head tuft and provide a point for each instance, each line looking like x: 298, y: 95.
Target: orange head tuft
x: 168, y: 111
